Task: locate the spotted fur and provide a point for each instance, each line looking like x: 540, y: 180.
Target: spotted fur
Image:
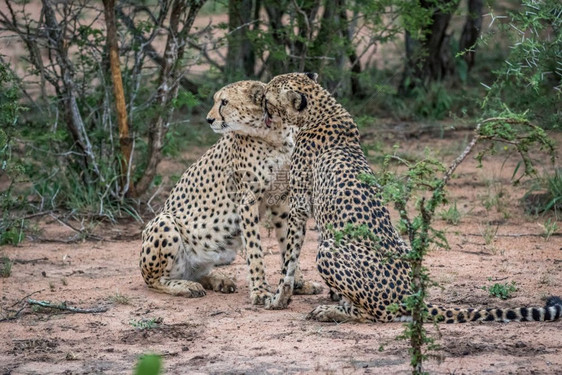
x: 369, y: 272
x: 215, y: 208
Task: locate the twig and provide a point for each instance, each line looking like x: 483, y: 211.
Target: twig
x: 80, y: 231
x: 43, y: 213
x: 127, y: 237
x: 153, y: 196
x: 63, y: 306
x: 17, y: 313
x: 75, y: 239
x: 25, y: 261
x: 15, y: 316
x: 516, y: 235
x: 29, y: 295
x: 308, y: 33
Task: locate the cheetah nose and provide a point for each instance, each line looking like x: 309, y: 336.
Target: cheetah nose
x: 210, y: 121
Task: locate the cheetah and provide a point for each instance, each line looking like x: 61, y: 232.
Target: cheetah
x: 215, y: 208
x: 370, y: 272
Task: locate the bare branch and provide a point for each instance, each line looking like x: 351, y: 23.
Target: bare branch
x: 64, y: 306
x: 463, y: 155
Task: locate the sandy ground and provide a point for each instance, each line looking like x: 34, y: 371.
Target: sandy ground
x: 223, y: 333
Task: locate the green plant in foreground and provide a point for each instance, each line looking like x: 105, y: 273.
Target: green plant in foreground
x: 352, y: 231
x: 149, y: 364
x: 503, y: 291
x: 5, y: 267
x: 554, y: 191
x: 489, y: 233
x: 120, y: 299
x: 11, y: 235
x: 451, y: 215
x: 549, y: 228
x: 425, y: 182
x: 545, y: 194
x: 143, y: 324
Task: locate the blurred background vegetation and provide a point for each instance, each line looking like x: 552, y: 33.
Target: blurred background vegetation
x: 61, y: 148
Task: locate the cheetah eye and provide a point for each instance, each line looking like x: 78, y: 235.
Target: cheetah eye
x: 224, y: 102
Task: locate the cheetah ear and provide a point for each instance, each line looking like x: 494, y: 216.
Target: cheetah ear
x: 297, y: 100
x: 313, y: 76
x: 256, y: 91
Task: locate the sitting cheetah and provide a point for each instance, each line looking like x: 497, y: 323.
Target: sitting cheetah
x: 214, y: 210
x: 369, y: 272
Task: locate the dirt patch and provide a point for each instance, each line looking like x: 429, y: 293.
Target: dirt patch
x: 224, y: 334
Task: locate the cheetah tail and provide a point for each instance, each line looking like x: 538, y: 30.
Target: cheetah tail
x: 551, y: 311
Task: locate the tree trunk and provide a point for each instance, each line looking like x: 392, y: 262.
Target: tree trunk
x: 125, y: 140
x: 66, y: 93
x: 305, y: 14
x: 321, y: 45
x: 431, y: 59
x: 240, y: 58
x: 471, y: 31
x: 275, y: 10
x: 168, y: 84
x: 356, y: 89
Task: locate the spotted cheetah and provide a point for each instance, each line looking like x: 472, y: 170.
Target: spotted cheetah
x: 369, y: 272
x: 214, y: 209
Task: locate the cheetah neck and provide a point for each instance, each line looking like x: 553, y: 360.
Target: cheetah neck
x: 330, y: 122
x: 281, y: 138
x: 323, y: 109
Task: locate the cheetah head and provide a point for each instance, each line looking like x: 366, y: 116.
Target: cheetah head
x: 287, y: 98
x: 238, y: 108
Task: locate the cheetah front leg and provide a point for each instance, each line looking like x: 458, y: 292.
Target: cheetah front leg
x: 280, y: 215
x: 248, y: 211
x: 296, y: 230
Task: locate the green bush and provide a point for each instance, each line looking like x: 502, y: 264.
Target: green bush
x: 5, y: 267
x: 530, y: 79
x: 503, y: 291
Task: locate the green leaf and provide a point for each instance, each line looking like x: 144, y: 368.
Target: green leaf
x: 149, y: 364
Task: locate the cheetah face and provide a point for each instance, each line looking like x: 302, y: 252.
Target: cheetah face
x: 238, y: 108
x: 287, y: 97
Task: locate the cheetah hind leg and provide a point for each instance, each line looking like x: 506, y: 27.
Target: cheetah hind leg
x: 218, y: 282
x: 346, y: 311
x: 162, y: 259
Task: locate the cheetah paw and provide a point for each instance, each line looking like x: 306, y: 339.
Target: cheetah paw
x: 195, y: 290
x: 218, y: 282
x: 328, y: 313
x: 320, y: 313
x: 196, y: 293
x: 186, y: 288
x: 308, y: 288
x: 224, y: 286
x: 259, y: 296
x: 281, y: 299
